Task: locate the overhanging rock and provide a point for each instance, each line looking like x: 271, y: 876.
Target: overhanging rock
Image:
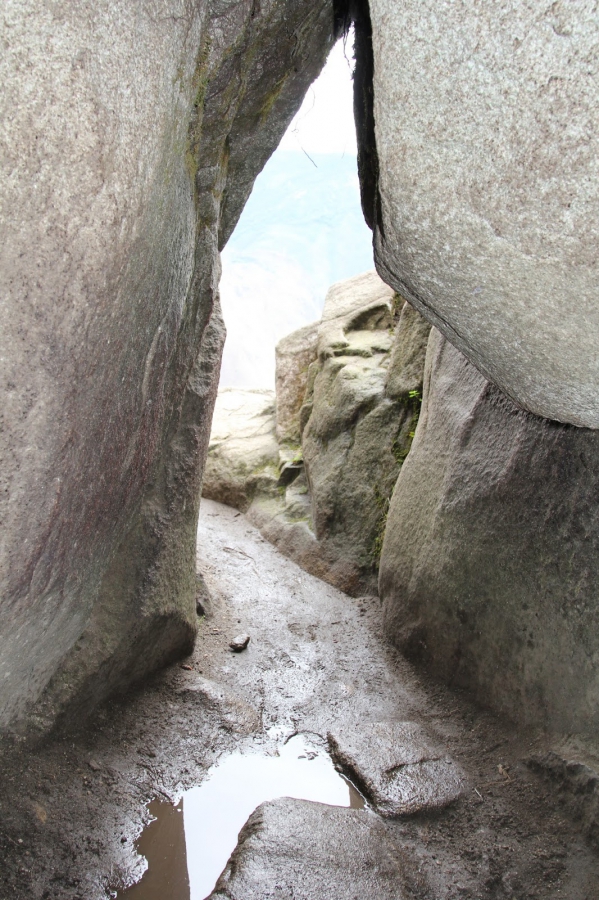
x: 485, y: 187
x: 132, y: 137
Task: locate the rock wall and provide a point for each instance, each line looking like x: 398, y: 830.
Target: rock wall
x: 479, y: 134
x: 478, y: 148
x: 491, y: 554
x: 130, y: 138
x: 356, y: 431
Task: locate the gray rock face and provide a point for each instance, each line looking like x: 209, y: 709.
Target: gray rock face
x: 130, y: 138
x: 357, y: 420
x: 243, y: 454
x: 293, y: 848
x: 488, y: 182
x: 348, y: 438
x: 490, y: 559
x: 397, y: 766
x: 406, y: 364
x: 294, y: 355
x: 356, y: 435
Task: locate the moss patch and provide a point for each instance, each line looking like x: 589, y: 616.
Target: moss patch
x: 403, y: 441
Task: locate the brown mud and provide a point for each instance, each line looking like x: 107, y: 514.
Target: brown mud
x: 71, y: 811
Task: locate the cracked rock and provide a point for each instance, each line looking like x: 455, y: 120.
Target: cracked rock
x: 397, y: 766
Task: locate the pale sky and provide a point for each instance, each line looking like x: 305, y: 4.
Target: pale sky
x: 301, y: 230
x: 325, y: 122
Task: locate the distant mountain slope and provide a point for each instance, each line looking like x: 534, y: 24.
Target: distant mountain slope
x: 302, y: 230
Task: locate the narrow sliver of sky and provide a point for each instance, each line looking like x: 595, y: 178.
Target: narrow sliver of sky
x: 301, y: 230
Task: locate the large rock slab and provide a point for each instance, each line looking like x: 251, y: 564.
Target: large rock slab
x: 486, y: 121
x: 292, y: 848
x: 491, y: 554
x: 397, y: 766
x: 131, y: 134
x: 243, y: 454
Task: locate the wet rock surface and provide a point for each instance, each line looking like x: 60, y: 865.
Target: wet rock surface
x: 397, y: 766
x: 486, y: 187
x: 489, y: 565
x: 210, y: 695
x: 318, y: 662
x: 573, y: 770
x: 293, y: 848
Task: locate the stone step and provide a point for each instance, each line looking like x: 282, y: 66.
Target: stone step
x: 398, y: 767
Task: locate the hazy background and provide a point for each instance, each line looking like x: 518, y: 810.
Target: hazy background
x: 301, y: 230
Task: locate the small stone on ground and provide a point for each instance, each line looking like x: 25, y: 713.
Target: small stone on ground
x: 239, y: 643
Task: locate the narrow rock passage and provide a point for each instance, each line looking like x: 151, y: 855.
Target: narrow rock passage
x: 311, y: 662
x: 317, y: 662
x: 462, y: 813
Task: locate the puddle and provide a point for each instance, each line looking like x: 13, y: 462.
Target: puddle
x: 187, y: 846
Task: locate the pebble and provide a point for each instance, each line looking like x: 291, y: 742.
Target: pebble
x: 239, y: 643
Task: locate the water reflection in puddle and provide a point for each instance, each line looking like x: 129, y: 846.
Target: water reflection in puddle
x: 188, y: 845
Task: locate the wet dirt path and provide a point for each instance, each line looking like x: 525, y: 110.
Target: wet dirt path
x: 316, y: 661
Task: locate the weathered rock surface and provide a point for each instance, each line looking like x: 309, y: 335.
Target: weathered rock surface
x: 485, y: 195
x: 131, y: 136
x: 352, y: 430
x: 357, y: 420
x: 490, y: 559
x: 397, y: 766
x: 294, y: 354
x: 293, y: 848
x: 406, y: 364
x: 243, y: 454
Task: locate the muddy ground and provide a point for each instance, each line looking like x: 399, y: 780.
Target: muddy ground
x: 70, y: 813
